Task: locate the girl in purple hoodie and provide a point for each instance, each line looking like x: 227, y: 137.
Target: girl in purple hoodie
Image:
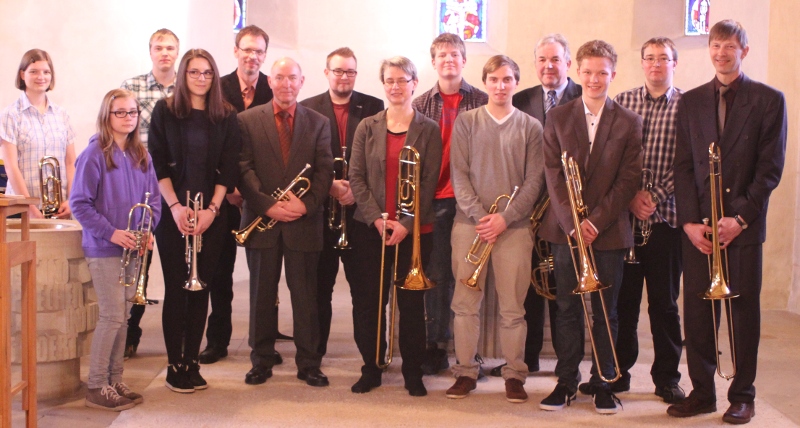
x: 112, y: 175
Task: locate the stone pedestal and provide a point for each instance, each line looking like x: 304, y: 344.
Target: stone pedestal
x: 67, y: 309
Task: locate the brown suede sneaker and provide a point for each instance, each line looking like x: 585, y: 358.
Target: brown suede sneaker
x: 462, y: 387
x: 126, y: 392
x: 106, y: 398
x: 515, y: 392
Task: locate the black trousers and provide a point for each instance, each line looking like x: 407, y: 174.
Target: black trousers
x: 534, y: 316
x: 218, y: 333
x: 410, y: 303
x: 745, y: 263
x: 183, y: 317
x: 327, y: 270
x: 660, y: 269
x: 301, y: 279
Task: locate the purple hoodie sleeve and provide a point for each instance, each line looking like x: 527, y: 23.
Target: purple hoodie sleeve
x: 88, y: 170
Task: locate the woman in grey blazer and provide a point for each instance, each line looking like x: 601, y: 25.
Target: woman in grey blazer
x: 373, y: 179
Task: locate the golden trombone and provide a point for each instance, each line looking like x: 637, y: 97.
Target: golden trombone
x: 142, y: 240
x: 50, y: 187
x: 478, y: 253
x: 584, y: 264
x: 280, y: 195
x: 718, y: 260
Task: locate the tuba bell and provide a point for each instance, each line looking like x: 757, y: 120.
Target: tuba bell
x: 194, y: 244
x: 583, y: 259
x: 138, y: 255
x: 50, y: 186
x: 479, y: 252
x: 718, y: 261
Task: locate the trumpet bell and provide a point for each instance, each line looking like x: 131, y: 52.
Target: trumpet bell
x: 138, y: 298
x: 194, y: 284
x: 630, y: 256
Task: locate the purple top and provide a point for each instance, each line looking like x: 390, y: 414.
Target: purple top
x: 101, y: 198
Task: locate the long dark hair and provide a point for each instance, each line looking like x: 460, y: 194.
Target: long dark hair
x: 106, y: 135
x: 180, y: 102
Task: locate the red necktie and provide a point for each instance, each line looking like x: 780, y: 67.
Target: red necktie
x: 285, y: 134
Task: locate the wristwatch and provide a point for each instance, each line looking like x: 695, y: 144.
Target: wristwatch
x: 741, y: 221
x: 213, y: 208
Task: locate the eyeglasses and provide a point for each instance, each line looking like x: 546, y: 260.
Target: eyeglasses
x: 259, y: 53
x: 653, y: 61
x: 195, y: 74
x: 122, y: 113
x: 401, y: 83
x: 339, y: 72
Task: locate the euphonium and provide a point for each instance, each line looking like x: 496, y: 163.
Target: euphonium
x: 479, y: 252
x: 718, y: 260
x: 194, y: 244
x: 142, y: 236
x: 585, y: 270
x: 50, y: 186
x: 337, y: 217
x: 280, y: 195
x: 408, y: 195
x: 540, y: 274
x: 641, y: 229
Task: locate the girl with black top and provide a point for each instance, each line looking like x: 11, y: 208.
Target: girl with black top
x: 194, y: 143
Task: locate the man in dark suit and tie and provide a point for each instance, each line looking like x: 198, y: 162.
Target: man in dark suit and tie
x: 245, y: 88
x: 552, y: 64
x: 344, y: 108
x: 747, y: 121
x: 605, y: 140
x: 278, y: 140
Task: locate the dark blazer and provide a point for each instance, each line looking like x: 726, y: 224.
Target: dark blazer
x: 263, y: 171
x: 531, y: 100
x: 361, y: 106
x: 368, y: 167
x: 753, y: 147
x: 611, y: 173
x: 168, y: 146
x: 232, y: 92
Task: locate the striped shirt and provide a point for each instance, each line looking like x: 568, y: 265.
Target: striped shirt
x: 659, y: 118
x: 148, y: 91
x: 36, y: 135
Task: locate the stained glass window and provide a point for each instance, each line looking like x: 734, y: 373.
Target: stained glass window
x: 239, y: 15
x: 467, y: 18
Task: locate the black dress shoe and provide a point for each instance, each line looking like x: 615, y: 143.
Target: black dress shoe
x: 671, y: 393
x: 365, y: 384
x: 692, y: 406
x: 416, y: 388
x: 739, y: 413
x: 313, y: 376
x: 212, y: 354
x: 278, y: 358
x: 257, y: 376
x: 284, y: 338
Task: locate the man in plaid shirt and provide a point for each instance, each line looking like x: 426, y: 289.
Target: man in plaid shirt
x: 660, y: 259
x: 159, y: 82
x: 148, y: 89
x: 449, y: 97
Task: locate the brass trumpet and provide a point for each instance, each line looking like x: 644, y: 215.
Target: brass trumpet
x: 540, y: 274
x: 718, y: 260
x: 584, y: 263
x: 479, y: 252
x: 641, y: 229
x: 50, y: 186
x: 142, y: 237
x: 194, y: 244
x: 281, y: 195
x: 337, y: 219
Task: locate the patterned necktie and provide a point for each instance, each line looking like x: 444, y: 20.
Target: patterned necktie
x: 285, y: 134
x: 722, y: 110
x: 247, y: 96
x: 551, y: 101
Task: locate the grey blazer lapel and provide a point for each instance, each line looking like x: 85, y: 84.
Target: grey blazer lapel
x: 601, y: 136
x: 414, y: 130
x: 271, y: 133
x: 580, y: 143
x: 708, y: 123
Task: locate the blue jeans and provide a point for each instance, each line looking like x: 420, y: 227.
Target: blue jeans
x: 570, y: 321
x: 439, y: 270
x: 108, y: 342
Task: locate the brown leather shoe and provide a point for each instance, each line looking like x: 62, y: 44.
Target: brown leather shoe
x: 462, y: 387
x: 515, y: 392
x: 739, y: 413
x: 691, y: 406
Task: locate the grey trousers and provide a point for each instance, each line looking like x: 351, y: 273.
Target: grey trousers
x: 512, y: 272
x: 108, y: 342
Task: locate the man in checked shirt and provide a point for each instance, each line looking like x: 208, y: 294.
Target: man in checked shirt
x: 149, y: 88
x: 660, y: 259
